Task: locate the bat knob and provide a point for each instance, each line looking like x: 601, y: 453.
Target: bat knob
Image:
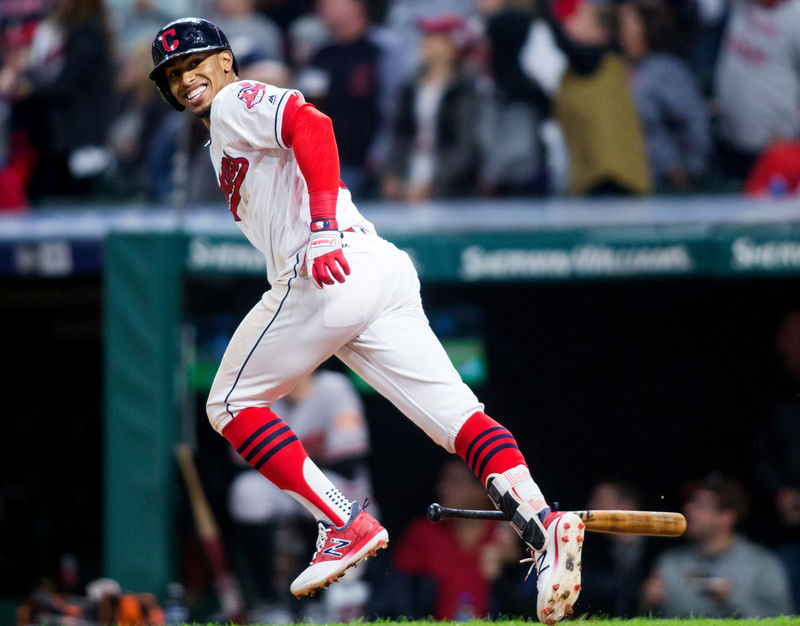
x: 435, y: 512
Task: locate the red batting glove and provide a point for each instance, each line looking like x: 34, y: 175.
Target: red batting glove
x: 325, y: 260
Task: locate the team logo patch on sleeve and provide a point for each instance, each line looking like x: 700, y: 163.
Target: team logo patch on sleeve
x: 252, y: 93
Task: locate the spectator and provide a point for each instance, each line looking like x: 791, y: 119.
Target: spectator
x: 343, y: 80
x: 326, y: 413
x: 251, y: 34
x: 704, y: 32
x: 171, y: 138
x: 134, y: 22
x: 513, y: 159
x: 617, y: 565
x: 305, y: 36
x: 15, y: 172
x: 139, y: 115
x: 720, y: 574
x: 757, y: 82
x: 776, y: 171
x: 667, y: 97
x: 459, y: 558
x: 64, y: 98
x: 402, y: 18
x: 434, y: 145
x: 284, y: 12
x: 778, y: 448
x: 18, y: 23
x: 594, y: 106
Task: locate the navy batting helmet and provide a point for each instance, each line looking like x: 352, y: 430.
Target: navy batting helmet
x: 184, y: 36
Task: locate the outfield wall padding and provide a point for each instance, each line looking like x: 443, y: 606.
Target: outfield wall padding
x: 141, y: 305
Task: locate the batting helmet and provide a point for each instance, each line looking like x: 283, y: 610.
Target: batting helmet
x: 184, y: 36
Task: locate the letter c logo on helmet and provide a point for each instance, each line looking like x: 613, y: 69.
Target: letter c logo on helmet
x: 172, y: 45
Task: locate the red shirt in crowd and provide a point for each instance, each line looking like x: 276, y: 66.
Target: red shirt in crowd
x: 432, y: 550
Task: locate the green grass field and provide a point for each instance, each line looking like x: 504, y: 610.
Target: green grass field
x: 643, y: 621
x: 585, y: 621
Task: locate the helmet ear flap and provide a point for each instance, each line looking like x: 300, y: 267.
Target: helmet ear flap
x: 166, y: 94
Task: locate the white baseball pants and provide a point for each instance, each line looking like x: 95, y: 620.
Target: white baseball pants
x: 373, y: 322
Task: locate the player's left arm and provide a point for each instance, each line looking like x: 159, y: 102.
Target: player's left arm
x: 310, y: 133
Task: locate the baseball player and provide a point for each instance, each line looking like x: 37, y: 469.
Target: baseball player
x: 336, y: 288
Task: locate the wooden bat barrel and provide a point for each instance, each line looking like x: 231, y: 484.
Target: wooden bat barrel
x: 655, y: 523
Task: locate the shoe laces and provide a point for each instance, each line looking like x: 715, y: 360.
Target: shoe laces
x: 535, y: 559
x: 322, y: 538
x: 325, y: 529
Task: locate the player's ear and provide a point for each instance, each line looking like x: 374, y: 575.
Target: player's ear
x: 226, y: 58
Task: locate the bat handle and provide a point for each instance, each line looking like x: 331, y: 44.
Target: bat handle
x: 437, y: 512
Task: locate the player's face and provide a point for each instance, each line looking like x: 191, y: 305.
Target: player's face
x: 195, y: 79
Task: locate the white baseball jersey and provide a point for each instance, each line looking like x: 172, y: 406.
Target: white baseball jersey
x: 266, y: 193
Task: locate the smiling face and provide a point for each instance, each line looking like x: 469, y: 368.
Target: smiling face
x: 194, y: 79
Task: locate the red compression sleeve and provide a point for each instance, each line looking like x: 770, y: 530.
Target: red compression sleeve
x: 310, y: 133
x: 487, y: 447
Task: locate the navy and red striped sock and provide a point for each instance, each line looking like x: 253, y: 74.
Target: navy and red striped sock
x: 487, y: 446
x: 270, y: 446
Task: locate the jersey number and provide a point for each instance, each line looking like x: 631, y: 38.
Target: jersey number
x: 231, y: 176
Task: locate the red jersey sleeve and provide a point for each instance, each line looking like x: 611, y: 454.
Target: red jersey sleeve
x: 309, y: 132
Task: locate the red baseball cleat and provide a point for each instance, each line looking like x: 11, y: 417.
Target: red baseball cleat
x: 339, y: 548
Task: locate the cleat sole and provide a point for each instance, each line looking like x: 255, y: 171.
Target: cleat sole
x: 558, y: 599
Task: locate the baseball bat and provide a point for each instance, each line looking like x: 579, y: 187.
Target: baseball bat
x: 225, y: 584
x: 654, y: 523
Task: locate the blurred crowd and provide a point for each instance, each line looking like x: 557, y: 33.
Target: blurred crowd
x: 429, y: 99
